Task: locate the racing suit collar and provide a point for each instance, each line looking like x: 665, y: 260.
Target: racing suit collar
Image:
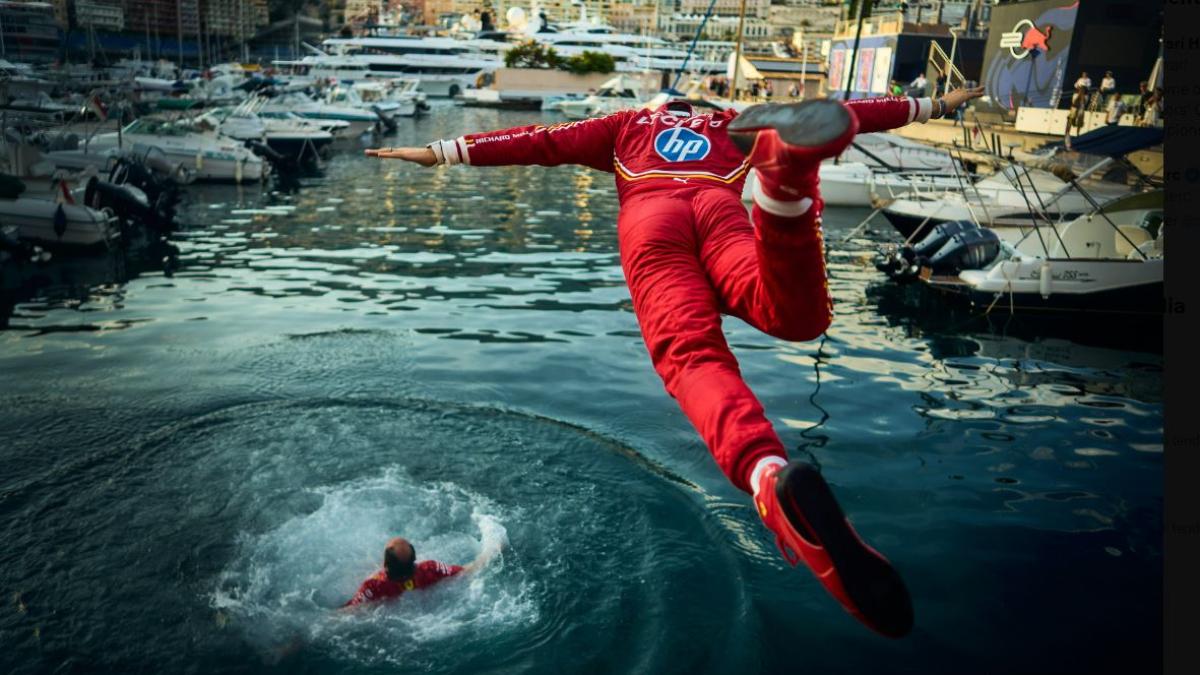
x: 677, y: 108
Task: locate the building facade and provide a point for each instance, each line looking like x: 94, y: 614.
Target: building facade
x: 234, y: 18
x: 758, y: 9
x: 28, y: 31
x: 106, y: 15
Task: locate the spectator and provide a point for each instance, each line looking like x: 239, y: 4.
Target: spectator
x: 1108, y: 85
x: 794, y: 91
x: 896, y: 89
x: 1078, y: 108
x: 1108, y: 90
x: 918, y: 87
x: 1083, y: 81
x: 768, y: 90
x: 1144, y: 96
x: 755, y: 88
x: 1116, y: 108
x: 1154, y: 110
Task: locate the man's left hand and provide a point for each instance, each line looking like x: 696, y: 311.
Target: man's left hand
x: 960, y: 96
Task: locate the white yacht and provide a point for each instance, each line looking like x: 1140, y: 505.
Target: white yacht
x: 444, y: 67
x: 193, y: 143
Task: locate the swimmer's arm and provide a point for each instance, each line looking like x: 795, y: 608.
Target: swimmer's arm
x: 485, y: 556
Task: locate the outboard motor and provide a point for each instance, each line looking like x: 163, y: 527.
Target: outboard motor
x: 136, y: 194
x: 266, y: 152
x: 948, y: 249
x: 968, y: 250
x: 388, y: 122
x: 937, y: 238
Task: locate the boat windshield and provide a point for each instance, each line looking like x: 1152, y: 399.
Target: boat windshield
x: 608, y: 92
x: 161, y: 127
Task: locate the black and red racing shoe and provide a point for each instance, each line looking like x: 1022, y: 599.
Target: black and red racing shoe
x: 787, y: 141
x: 797, y: 505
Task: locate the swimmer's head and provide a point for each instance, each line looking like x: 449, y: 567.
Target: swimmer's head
x: 399, y: 559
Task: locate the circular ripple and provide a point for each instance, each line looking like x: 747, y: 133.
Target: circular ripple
x: 241, y: 531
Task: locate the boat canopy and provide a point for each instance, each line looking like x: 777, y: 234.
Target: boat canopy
x: 1115, y: 141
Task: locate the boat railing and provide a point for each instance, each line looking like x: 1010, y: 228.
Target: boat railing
x: 949, y: 73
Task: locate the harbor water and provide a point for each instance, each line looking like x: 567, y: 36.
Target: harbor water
x: 204, y: 451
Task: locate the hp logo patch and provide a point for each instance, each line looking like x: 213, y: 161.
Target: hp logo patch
x: 681, y: 145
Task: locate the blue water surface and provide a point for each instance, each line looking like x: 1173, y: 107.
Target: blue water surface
x: 203, y: 454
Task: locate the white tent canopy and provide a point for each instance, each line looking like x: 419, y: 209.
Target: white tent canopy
x: 746, y: 72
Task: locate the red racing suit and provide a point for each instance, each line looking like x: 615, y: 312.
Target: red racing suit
x: 690, y: 252
x: 379, y: 587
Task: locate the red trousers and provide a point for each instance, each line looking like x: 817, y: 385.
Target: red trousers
x: 692, y: 254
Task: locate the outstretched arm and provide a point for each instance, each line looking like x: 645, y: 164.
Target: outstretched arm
x: 485, y: 556
x: 588, y: 142
x: 893, y: 112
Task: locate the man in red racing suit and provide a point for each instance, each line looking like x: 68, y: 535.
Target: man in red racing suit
x: 690, y: 252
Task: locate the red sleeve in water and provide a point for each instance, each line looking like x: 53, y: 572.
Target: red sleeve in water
x: 430, y: 572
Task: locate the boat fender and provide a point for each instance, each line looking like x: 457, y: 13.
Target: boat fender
x: 89, y: 193
x: 199, y: 161
x: 60, y: 221
x: 1044, y: 279
x: 237, y: 171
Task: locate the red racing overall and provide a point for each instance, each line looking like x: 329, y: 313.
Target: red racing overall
x: 690, y: 252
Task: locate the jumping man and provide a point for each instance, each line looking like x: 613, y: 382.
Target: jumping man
x: 690, y: 253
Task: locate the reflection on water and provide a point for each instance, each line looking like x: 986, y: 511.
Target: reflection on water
x: 1009, y: 472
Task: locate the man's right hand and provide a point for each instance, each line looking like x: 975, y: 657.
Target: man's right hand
x: 422, y: 156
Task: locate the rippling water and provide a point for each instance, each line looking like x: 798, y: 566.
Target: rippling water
x: 204, y: 452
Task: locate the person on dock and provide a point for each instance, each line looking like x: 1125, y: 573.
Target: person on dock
x: 401, y: 572
x: 690, y: 252
x: 919, y: 86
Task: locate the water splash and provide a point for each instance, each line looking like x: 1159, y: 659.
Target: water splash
x: 283, y: 587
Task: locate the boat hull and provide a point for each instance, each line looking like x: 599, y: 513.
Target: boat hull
x: 1076, y: 285
x: 34, y: 220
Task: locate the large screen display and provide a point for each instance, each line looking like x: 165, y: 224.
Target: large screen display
x: 1025, y: 59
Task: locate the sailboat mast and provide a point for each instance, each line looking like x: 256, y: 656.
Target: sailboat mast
x: 737, y: 52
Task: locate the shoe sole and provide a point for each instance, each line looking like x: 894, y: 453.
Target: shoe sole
x: 871, y: 582
x: 805, y: 124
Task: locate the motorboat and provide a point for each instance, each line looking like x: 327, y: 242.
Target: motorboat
x: 358, y: 121
x: 1021, y: 196
x: 339, y: 129
x: 194, y: 143
x: 1109, y: 260
x: 295, y: 139
x: 406, y: 89
x: 619, y: 93
x: 370, y: 97
x: 54, y: 218
x: 1001, y: 201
